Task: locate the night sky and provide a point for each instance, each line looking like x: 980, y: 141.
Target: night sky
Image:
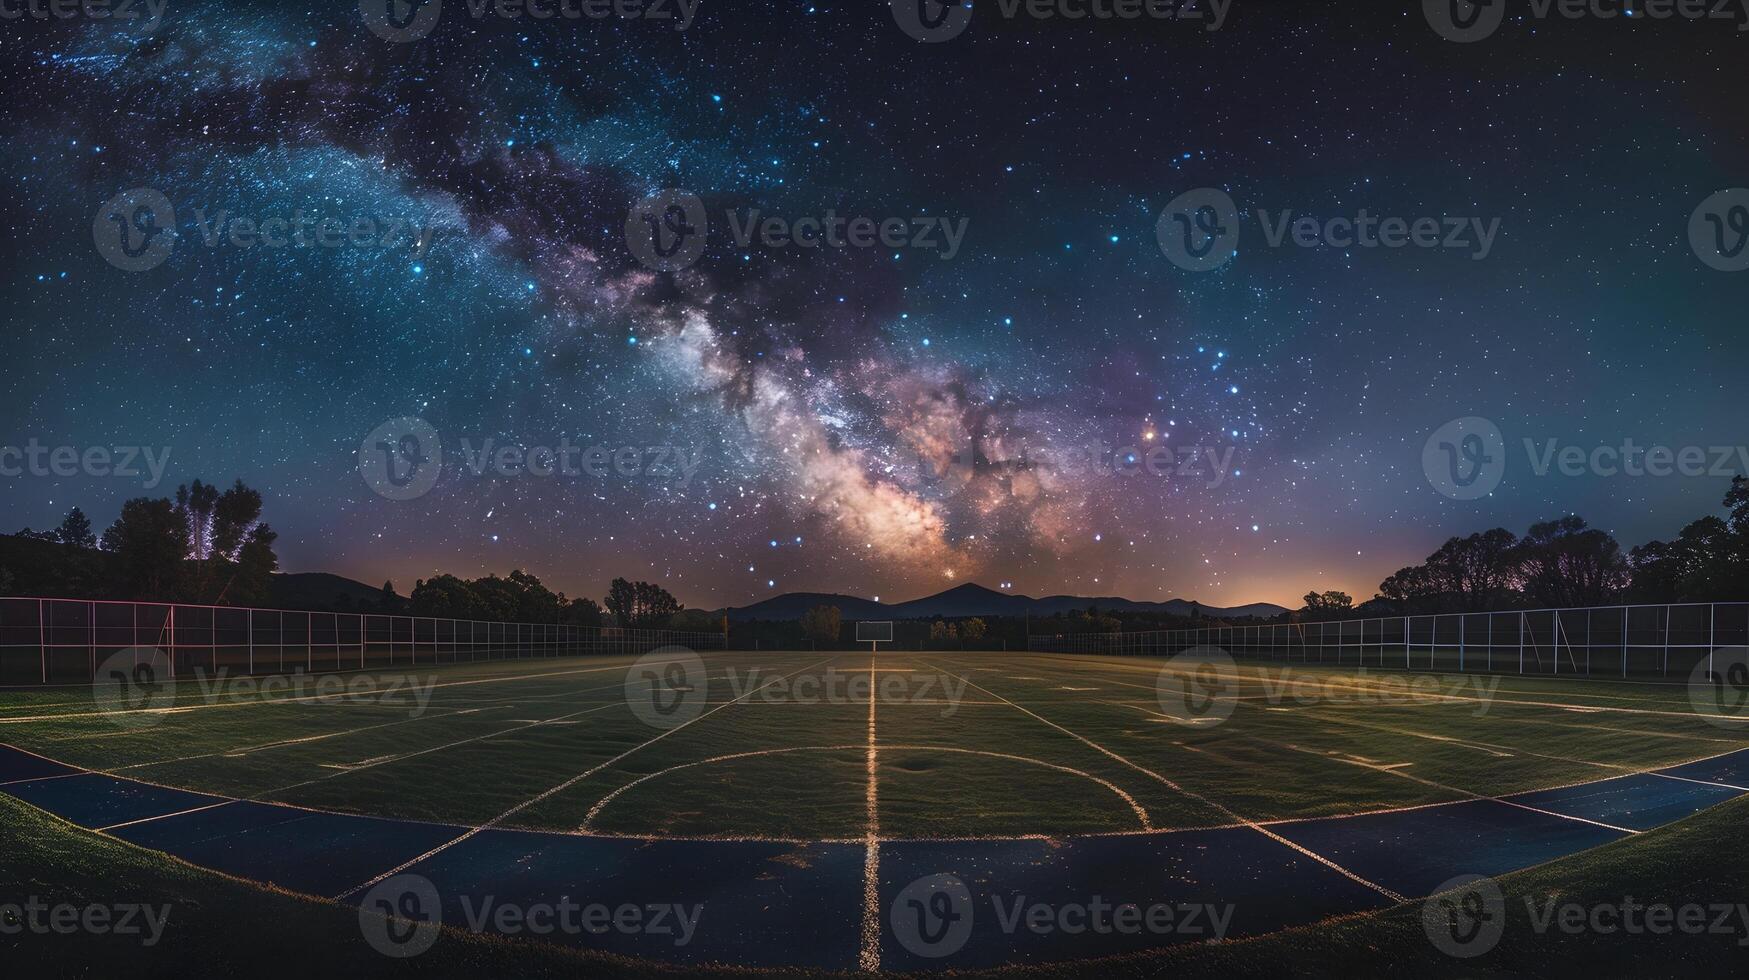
x: 880, y: 421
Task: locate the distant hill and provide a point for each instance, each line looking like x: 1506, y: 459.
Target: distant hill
x: 975, y: 600
x: 321, y: 591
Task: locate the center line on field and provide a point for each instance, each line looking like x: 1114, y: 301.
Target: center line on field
x: 554, y: 791
x: 1235, y: 817
x: 870, y: 959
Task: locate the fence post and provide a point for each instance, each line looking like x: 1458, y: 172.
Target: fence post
x: 42, y: 638
x: 249, y: 624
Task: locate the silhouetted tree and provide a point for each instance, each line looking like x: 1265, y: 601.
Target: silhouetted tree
x: 1565, y: 563
x: 640, y: 605
x: 1328, y: 604
x: 150, y: 542
x: 75, y: 530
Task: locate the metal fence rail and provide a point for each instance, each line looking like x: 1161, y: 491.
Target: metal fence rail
x: 62, y: 641
x: 1602, y: 641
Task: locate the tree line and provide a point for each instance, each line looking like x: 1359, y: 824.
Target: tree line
x: 1565, y: 563
x: 209, y: 546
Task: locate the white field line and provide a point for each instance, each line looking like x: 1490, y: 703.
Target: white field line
x: 869, y: 953
x: 179, y: 709
x: 1398, y: 772
x: 1398, y: 692
x: 1702, y: 782
x: 265, y: 795
x: 1272, y: 835
x: 1624, y: 769
x: 567, y: 784
x: 496, y: 704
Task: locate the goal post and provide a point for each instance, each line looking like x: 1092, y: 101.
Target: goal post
x: 874, y: 633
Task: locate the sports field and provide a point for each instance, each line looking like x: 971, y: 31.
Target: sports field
x: 792, y: 745
x: 878, y: 756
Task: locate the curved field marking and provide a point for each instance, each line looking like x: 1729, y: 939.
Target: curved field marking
x: 1140, y: 811
x: 1230, y: 814
x: 560, y: 788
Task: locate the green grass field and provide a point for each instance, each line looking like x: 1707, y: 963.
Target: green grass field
x: 960, y: 745
x: 788, y: 745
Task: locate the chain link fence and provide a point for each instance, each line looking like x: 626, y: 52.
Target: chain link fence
x: 1603, y: 641
x: 62, y: 641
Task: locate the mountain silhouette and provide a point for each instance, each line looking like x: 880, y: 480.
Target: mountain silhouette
x: 972, y: 599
